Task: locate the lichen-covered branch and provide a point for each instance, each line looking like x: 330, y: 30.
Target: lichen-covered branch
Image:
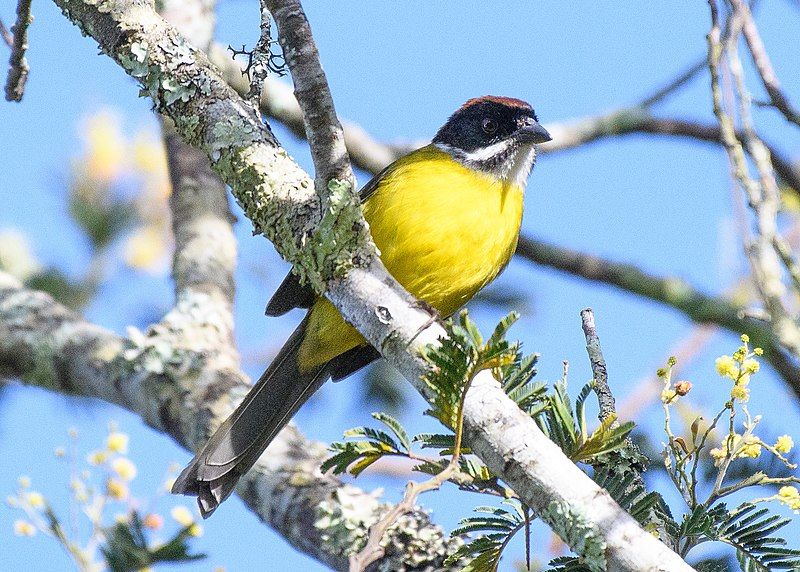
x: 598, y: 363
x: 181, y: 381
x: 18, y: 65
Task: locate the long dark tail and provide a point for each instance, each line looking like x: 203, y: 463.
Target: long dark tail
x: 238, y: 443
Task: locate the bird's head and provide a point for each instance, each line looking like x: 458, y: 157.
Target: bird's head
x: 494, y: 135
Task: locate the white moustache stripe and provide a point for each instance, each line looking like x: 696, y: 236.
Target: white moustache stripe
x: 487, y: 153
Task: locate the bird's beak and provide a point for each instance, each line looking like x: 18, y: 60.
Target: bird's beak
x: 533, y: 133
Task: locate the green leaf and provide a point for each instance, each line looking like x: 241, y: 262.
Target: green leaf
x: 396, y: 428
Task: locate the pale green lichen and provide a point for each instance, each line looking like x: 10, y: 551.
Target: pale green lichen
x: 579, y: 532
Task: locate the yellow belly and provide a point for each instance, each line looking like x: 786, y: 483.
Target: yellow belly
x: 443, y: 231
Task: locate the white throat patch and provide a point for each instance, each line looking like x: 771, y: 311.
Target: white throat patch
x: 502, y: 160
x: 520, y: 165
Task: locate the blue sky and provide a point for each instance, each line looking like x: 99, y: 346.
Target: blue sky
x: 399, y: 71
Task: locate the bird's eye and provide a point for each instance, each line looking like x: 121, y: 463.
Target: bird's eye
x: 489, y: 125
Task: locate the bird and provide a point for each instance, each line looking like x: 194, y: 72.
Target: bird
x: 445, y: 219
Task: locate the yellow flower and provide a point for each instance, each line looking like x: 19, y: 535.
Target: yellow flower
x: 24, y: 482
x: 195, y: 530
x: 117, y: 490
x: 148, y: 153
x: 182, y: 515
x: 790, y: 496
x: 727, y: 367
x: 740, y: 392
x: 105, y: 147
x: 59, y: 452
x: 11, y: 501
x: 146, y: 248
x: 745, y: 339
x: 35, y: 499
x: 24, y: 528
x: 117, y: 442
x: 97, y: 457
x: 784, y: 444
x: 758, y: 351
x: 125, y: 468
x: 668, y: 395
x: 718, y: 454
x: 751, y: 366
x: 751, y: 447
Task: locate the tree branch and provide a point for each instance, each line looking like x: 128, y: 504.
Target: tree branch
x: 763, y: 63
x: 18, y: 70
x: 180, y: 381
x: 674, y: 292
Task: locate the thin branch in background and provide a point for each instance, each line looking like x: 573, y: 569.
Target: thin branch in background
x: 599, y: 371
x: 672, y: 86
x: 763, y: 195
x: 674, y: 292
x: 763, y: 64
x: 18, y: 71
x: 6, y: 35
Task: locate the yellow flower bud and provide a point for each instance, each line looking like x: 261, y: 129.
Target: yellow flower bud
x: 784, y: 444
x: 35, y: 499
x: 117, y: 442
x: 117, y: 490
x: 125, y: 468
x: 745, y: 339
x: 24, y: 528
x: 182, y: 515
x: 727, y: 367
x: 97, y: 458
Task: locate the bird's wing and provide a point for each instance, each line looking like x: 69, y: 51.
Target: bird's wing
x: 291, y: 294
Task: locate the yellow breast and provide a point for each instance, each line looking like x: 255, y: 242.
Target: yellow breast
x: 444, y: 231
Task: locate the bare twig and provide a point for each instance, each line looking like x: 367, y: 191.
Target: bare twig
x: 18, y: 71
x: 763, y: 63
x: 675, y: 84
x: 599, y: 372
x: 6, y: 35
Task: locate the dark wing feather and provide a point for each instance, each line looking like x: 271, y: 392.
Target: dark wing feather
x: 291, y: 294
